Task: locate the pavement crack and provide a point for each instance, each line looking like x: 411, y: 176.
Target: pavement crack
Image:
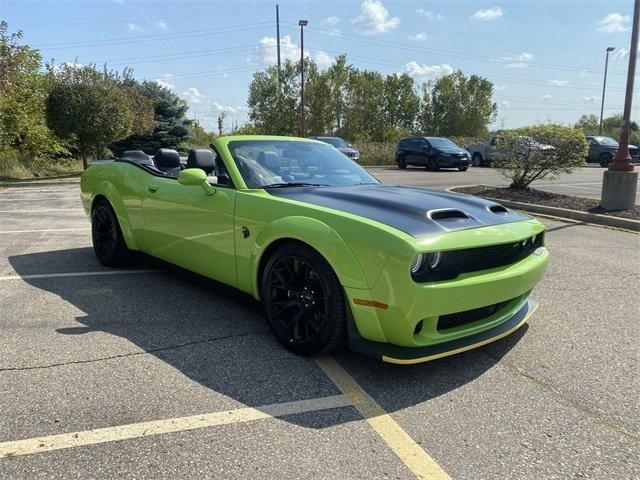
x: 133, y: 354
x: 562, y: 398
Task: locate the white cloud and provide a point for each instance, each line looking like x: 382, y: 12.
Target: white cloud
x: 323, y: 59
x: 504, y: 104
x: 488, y: 14
x: 519, y: 60
x: 431, y: 16
x: 220, y: 108
x: 193, y: 95
x: 423, y: 73
x: 419, y: 37
x: 614, y: 22
x: 497, y: 88
x: 374, y: 18
x: 621, y: 54
x: 331, y: 21
x: 267, y: 54
x: 583, y: 74
x: 590, y: 98
x: 134, y: 27
x: 162, y: 25
x: 546, y: 98
x: 119, y: 1
x: 559, y: 83
x: 165, y: 81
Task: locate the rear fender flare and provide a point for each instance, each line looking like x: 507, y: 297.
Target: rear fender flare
x: 319, y: 236
x: 110, y: 192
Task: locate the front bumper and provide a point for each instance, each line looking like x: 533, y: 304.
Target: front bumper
x: 455, y: 162
x: 410, y: 355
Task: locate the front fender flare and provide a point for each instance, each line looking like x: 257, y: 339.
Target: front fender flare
x: 320, y: 237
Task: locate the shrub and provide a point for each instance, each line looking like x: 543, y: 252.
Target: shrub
x: 533, y: 153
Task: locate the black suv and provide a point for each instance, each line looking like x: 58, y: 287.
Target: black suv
x: 432, y: 152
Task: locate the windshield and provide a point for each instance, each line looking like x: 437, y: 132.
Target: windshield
x: 282, y: 163
x: 441, y: 142
x: 335, y: 141
x: 606, y: 141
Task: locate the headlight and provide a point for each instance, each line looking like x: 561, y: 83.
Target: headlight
x: 417, y: 263
x: 434, y: 259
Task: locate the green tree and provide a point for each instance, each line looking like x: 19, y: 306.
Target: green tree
x: 523, y: 155
x: 364, y: 110
x: 87, y: 108
x: 319, y: 107
x: 170, y: 125
x: 457, y: 104
x: 338, y: 74
x: 401, y: 102
x: 23, y: 93
x: 588, y: 123
x: 274, y: 99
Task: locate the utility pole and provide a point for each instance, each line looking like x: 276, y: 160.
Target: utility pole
x: 278, y: 36
x: 302, y: 23
x: 604, y: 86
x: 620, y: 182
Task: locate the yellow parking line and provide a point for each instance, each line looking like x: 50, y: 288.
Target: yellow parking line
x: 411, y: 454
x: 156, y: 427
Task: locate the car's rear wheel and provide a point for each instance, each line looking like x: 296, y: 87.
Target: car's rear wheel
x: 476, y: 160
x: 432, y: 164
x: 108, y: 243
x: 402, y: 162
x: 463, y: 169
x: 605, y: 159
x: 303, y: 299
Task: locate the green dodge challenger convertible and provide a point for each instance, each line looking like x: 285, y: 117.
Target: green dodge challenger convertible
x: 336, y: 257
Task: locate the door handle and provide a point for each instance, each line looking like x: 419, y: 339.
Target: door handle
x: 153, y: 188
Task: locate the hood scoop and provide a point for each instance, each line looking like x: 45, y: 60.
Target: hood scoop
x: 452, y: 218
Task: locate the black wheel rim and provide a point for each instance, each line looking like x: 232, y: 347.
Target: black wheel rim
x: 295, y: 300
x: 104, y: 233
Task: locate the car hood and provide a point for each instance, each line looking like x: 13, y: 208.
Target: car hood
x: 454, y: 150
x: 415, y: 211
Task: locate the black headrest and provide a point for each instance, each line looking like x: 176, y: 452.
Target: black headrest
x: 166, y: 158
x: 137, y: 156
x: 204, y: 159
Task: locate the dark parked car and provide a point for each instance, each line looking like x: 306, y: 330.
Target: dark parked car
x: 602, y: 150
x: 341, y: 145
x: 432, y: 152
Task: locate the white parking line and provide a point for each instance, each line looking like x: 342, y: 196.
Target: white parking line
x: 168, y: 425
x: 48, y: 230
x: 44, y: 210
x: 74, y: 274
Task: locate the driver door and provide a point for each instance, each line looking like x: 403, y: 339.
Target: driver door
x: 191, y: 229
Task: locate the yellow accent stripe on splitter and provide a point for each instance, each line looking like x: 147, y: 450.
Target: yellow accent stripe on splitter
x: 436, y: 356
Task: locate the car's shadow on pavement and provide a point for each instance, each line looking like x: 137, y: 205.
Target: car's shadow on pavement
x: 218, y: 337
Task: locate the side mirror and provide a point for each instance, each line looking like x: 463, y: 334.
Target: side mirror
x: 195, y: 176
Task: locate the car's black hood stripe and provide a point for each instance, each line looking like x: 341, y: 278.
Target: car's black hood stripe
x: 403, y: 208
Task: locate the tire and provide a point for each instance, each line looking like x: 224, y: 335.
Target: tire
x: 605, y: 159
x: 402, y: 163
x: 108, y: 243
x: 476, y: 160
x: 303, y: 300
x: 463, y: 169
x: 432, y: 164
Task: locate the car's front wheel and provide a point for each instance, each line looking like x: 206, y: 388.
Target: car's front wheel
x: 303, y: 300
x: 605, y: 159
x: 432, y: 164
x: 108, y: 243
x: 463, y: 169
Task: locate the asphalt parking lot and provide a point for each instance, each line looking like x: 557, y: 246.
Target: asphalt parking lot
x: 144, y: 373
x: 583, y: 182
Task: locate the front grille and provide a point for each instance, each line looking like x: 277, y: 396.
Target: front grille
x: 456, y: 262
x: 458, y: 319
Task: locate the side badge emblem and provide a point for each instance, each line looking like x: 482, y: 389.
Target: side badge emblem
x: 245, y: 232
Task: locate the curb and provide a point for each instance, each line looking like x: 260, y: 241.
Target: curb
x: 565, y: 213
x: 38, y: 183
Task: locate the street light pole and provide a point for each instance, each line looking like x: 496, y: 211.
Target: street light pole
x: 604, y: 87
x: 302, y: 23
x: 278, y: 36
x: 620, y: 182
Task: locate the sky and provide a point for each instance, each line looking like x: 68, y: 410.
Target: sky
x: 545, y: 58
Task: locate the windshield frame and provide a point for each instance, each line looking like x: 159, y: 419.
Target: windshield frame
x: 352, y: 168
